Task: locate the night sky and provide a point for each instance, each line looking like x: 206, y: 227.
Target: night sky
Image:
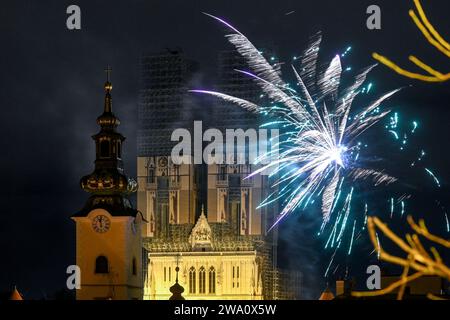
x: 51, y: 92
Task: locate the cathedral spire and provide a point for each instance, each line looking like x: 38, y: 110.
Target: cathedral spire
x: 203, y: 212
x: 108, y: 121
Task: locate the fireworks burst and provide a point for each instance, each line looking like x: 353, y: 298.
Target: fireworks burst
x: 319, y: 148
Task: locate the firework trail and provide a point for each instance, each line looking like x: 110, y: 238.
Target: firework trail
x: 319, y: 149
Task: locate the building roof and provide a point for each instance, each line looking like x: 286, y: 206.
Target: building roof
x: 116, y: 205
x: 326, y: 294
x: 15, y: 295
x: 222, y: 239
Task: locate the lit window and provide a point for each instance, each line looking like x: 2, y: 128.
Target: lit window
x: 202, y: 280
x: 192, y: 280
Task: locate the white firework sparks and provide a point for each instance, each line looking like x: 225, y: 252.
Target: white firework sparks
x: 320, y: 145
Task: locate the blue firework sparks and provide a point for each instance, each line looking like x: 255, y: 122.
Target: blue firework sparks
x: 321, y: 157
x: 320, y: 148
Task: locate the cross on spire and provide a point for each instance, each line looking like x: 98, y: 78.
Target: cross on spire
x: 108, y: 71
x: 177, y: 289
x: 178, y: 258
x: 108, y: 87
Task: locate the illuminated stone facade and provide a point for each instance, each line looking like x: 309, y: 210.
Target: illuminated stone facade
x: 222, y: 254
x: 210, y: 267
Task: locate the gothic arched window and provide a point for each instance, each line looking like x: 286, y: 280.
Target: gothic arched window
x: 151, y: 175
x: 176, y: 173
x: 101, y: 265
x: 212, y: 280
x: 222, y: 173
x: 202, y: 280
x: 192, y: 280
x: 104, y: 148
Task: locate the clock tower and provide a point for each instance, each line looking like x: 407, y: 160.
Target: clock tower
x: 108, y: 237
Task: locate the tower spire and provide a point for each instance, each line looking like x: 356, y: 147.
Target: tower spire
x: 108, y: 183
x: 108, y: 88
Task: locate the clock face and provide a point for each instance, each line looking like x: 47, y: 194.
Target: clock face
x: 162, y: 162
x: 101, y: 223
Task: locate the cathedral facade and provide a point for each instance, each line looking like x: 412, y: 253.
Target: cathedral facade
x: 223, y: 253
